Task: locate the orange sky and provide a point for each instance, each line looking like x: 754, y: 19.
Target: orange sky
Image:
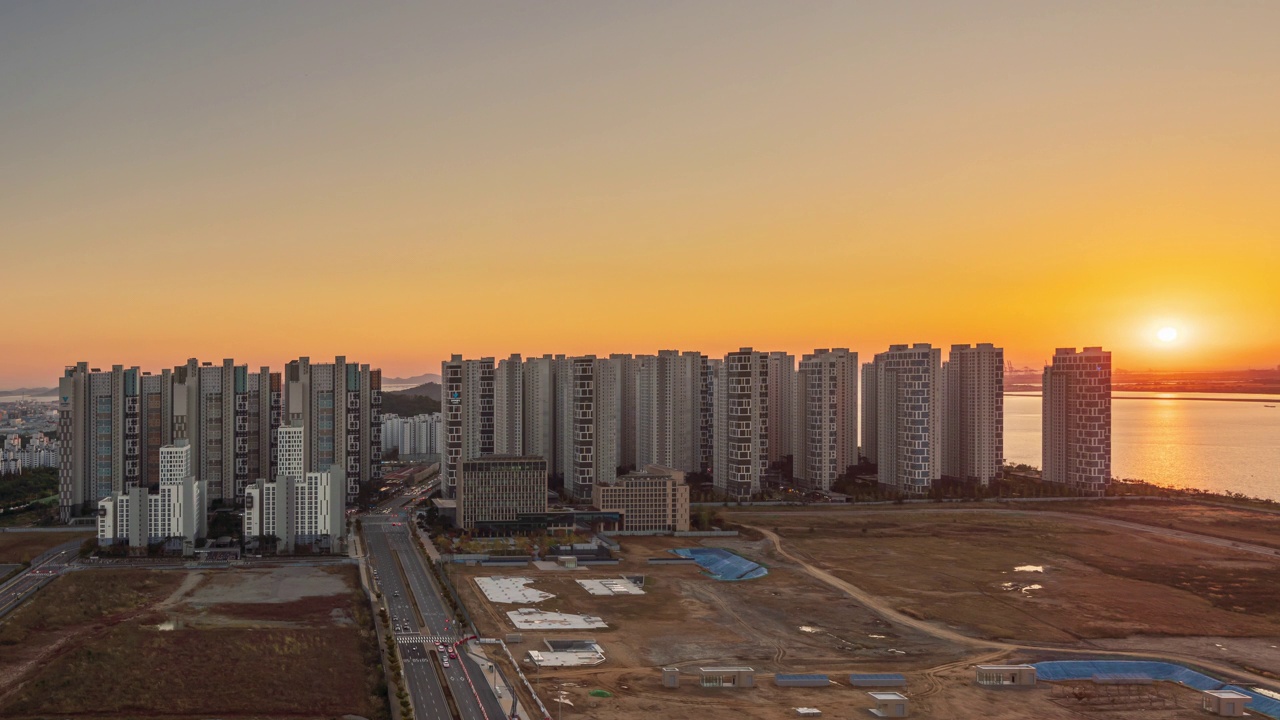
x: 395, y: 184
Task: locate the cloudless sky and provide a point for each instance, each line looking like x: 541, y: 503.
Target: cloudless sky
x: 398, y: 181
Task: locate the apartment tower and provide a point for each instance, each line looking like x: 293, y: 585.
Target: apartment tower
x: 827, y: 419
x: 741, y: 423
x: 668, y: 410
x: 467, y: 403
x: 973, y: 428
x: 1076, y: 420
x: 909, y: 417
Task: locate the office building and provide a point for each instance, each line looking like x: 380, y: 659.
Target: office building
x: 909, y: 418
x: 973, y: 427
x: 499, y: 488
x: 668, y: 410
x: 589, y: 391
x: 467, y: 405
x: 653, y: 500
x: 1076, y: 432
x: 827, y: 417
x: 741, y: 423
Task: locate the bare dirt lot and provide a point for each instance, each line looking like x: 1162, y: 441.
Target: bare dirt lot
x: 1230, y: 523
x: 21, y: 547
x: 1099, y: 587
x: 293, y: 642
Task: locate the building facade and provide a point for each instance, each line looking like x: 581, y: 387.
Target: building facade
x: 973, y: 428
x: 827, y: 417
x: 467, y: 402
x: 340, y: 406
x: 500, y: 488
x: 590, y: 395
x: 742, y: 417
x: 508, y: 407
x: 1076, y: 421
x: 654, y: 500
x: 909, y: 421
x: 668, y: 410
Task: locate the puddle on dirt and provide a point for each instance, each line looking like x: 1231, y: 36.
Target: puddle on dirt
x: 810, y: 629
x: 1029, y: 568
x: 1031, y: 587
x: 166, y: 625
x: 878, y: 637
x: 896, y: 651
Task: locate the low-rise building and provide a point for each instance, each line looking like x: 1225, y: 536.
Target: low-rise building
x: 178, y: 508
x: 495, y: 489
x: 654, y: 500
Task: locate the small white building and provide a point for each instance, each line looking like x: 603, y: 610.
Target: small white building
x: 1225, y: 703
x: 1006, y: 675
x: 889, y: 704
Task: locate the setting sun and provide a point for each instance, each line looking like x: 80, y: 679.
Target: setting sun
x: 1167, y: 334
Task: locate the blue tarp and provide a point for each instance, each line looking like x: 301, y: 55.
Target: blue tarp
x: 1087, y: 669
x: 722, y: 564
x: 877, y: 680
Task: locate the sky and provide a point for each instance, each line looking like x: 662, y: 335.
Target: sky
x: 396, y: 182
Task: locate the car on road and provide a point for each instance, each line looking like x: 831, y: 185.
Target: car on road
x: 453, y: 654
x: 445, y: 662
x: 440, y: 648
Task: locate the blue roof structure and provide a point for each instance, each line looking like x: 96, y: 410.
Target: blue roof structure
x: 877, y: 680
x: 1088, y: 669
x: 722, y: 564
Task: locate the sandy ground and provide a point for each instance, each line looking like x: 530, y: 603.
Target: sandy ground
x: 267, y: 585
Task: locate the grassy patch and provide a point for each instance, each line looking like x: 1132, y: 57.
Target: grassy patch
x: 86, y: 597
x: 21, y: 547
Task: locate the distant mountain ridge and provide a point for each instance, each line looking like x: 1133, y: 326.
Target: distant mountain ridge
x: 414, y: 380
x: 34, y: 392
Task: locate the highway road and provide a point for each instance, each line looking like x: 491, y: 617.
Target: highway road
x: 44, y: 568
x: 471, y: 692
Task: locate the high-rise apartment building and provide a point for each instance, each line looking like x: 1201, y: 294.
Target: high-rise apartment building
x: 92, y: 421
x: 909, y: 404
x: 500, y: 488
x: 539, y: 407
x: 175, y: 509
x: 297, y: 507
x: 668, y: 410
x: 782, y: 405
x: 742, y: 417
x: 414, y: 436
x: 1076, y: 433
x: 467, y: 403
x: 340, y: 406
x: 708, y: 373
x: 973, y: 426
x: 870, y: 425
x: 625, y: 366
x: 591, y: 394
x: 508, y: 407
x: 827, y: 417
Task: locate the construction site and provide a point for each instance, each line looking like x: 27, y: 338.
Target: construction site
x: 927, y: 596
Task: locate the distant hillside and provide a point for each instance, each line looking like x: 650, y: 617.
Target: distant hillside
x: 424, y: 398
x: 33, y: 392
x: 415, y: 380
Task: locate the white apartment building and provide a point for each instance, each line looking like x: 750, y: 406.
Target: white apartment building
x: 668, y: 410
x: 508, y: 407
x: 539, y: 408
x: 742, y: 417
x: 909, y: 405
x: 590, y: 394
x: 973, y: 426
x: 417, y: 435
x: 1077, y: 420
x: 499, y: 489
x: 319, y: 505
x: 292, y: 458
x: 178, y: 508
x: 655, y: 500
x: 467, y: 402
x: 827, y: 417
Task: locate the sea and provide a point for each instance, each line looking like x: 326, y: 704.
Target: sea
x: 1219, y: 442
